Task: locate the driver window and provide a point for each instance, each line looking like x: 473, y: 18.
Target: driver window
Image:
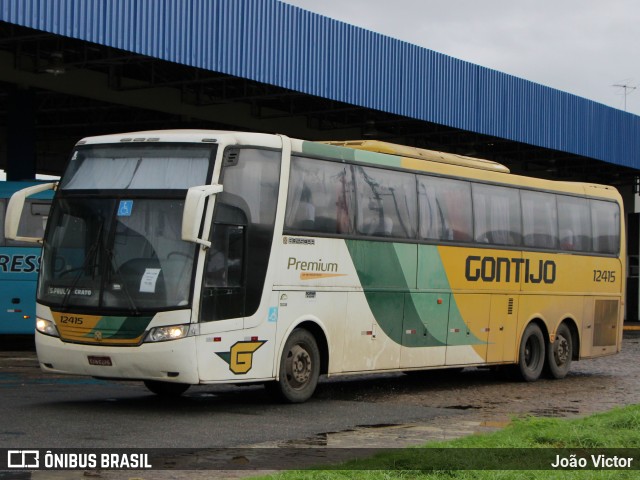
x: 223, y: 267
x: 223, y: 292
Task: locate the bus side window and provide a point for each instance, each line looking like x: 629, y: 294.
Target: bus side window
x: 386, y: 202
x: 497, y: 215
x: 574, y: 223
x: 33, y: 219
x: 605, y: 224
x: 540, y: 220
x: 444, y: 207
x: 320, y: 197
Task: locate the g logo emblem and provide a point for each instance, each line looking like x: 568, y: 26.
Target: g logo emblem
x: 240, y: 358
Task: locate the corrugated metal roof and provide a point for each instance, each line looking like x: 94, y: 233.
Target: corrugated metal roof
x: 277, y: 43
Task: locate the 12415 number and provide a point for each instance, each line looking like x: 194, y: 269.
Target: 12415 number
x: 608, y: 276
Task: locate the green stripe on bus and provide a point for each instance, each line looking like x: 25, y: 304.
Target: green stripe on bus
x: 413, y: 308
x: 329, y: 151
x: 343, y: 153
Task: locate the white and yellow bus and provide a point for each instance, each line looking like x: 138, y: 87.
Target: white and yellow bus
x: 185, y: 258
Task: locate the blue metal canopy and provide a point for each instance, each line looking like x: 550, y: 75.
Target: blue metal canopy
x: 275, y: 43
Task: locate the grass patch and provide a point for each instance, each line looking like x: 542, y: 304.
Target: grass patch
x: 511, y: 448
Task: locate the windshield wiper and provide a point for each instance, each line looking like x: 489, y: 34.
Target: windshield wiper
x: 91, y: 253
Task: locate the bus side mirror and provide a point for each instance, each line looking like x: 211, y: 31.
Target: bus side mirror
x: 193, y: 211
x: 14, y: 211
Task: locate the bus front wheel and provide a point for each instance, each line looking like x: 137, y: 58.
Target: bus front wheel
x: 531, y: 356
x: 166, y: 389
x: 560, y: 353
x: 299, y: 368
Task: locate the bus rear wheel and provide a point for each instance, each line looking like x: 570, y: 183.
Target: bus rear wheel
x: 299, y: 368
x: 166, y: 389
x: 531, y: 356
x: 560, y: 353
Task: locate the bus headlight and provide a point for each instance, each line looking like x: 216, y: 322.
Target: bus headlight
x: 47, y: 327
x: 171, y: 332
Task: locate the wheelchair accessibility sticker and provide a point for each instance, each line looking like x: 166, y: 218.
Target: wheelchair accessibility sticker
x: 125, y: 208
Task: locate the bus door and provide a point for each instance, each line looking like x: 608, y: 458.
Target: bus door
x: 236, y: 339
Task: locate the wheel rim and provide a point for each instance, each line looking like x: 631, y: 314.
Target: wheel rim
x: 298, y: 367
x: 561, y: 350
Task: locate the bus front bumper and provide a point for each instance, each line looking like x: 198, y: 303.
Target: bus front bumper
x: 171, y: 361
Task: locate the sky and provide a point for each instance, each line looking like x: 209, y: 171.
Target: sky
x: 583, y: 47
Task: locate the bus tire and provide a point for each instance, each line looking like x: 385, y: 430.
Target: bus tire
x: 166, y: 389
x: 531, y: 356
x: 299, y: 368
x: 560, y: 353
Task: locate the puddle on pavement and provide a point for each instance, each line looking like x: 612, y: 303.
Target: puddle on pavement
x: 398, y: 435
x: 464, y: 407
x: 381, y: 425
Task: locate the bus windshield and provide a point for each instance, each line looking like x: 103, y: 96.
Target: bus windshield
x: 114, y: 241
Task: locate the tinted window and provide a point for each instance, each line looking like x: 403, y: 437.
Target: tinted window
x: 445, y: 209
x: 496, y: 215
x: 386, y: 203
x: 254, y: 178
x: 574, y: 223
x: 539, y: 219
x: 33, y: 220
x: 605, y: 222
x: 320, y: 197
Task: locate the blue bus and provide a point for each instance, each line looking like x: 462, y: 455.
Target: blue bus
x: 20, y: 261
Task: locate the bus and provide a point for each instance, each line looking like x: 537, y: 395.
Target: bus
x: 20, y: 261
x: 189, y: 257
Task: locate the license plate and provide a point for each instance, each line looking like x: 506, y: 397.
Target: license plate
x: 101, y: 361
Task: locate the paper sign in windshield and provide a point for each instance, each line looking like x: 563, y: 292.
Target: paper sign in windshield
x: 149, y: 280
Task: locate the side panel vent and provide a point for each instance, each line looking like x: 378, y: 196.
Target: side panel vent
x: 606, y: 323
x: 510, y: 307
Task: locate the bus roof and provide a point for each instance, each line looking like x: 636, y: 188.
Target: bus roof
x: 421, y: 154
x: 181, y: 135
